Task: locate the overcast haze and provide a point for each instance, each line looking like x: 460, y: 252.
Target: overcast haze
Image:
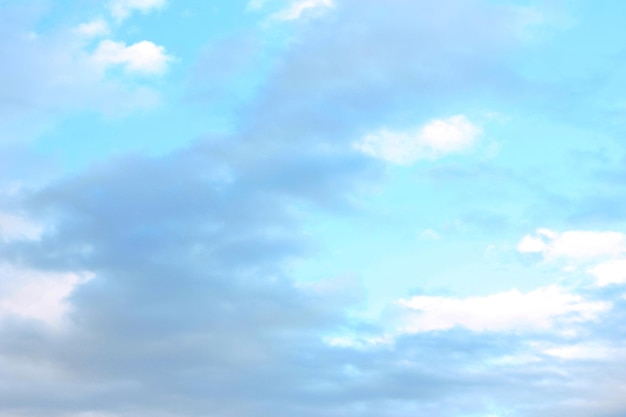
x: 312, y: 208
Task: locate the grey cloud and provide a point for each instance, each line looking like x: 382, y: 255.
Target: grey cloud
x: 191, y: 293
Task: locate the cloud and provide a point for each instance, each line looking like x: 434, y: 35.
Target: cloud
x: 122, y: 9
x: 190, y: 286
x: 301, y: 8
x: 610, y: 272
x: 193, y: 308
x: 14, y: 227
x: 435, y: 139
x: 255, y: 4
x: 574, y: 245
x: 292, y: 9
x: 37, y: 295
x: 47, y: 76
x: 94, y: 28
x: 540, y: 309
x: 581, y: 351
x: 142, y: 57
x: 400, y: 67
x: 601, y: 252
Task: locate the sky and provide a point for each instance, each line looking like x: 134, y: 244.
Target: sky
x: 312, y: 208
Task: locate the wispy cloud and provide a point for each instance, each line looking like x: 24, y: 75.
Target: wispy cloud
x: 540, y: 309
x: 122, y: 9
x: 301, y: 8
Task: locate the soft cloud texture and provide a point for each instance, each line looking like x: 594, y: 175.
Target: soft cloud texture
x: 435, y: 139
x: 574, y: 245
x: 142, y: 57
x: 122, y: 9
x: 298, y: 9
x: 44, y: 77
x: 174, y: 275
x: 42, y: 296
x: 94, y: 28
x: 14, y: 227
x: 610, y: 272
x: 540, y: 309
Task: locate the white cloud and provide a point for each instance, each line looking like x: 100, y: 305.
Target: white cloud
x: 512, y: 310
x: 299, y: 9
x: 586, y: 350
x: 37, y: 295
x: 610, y: 272
x: 575, y: 245
x: 437, y: 138
x: 95, y: 28
x: 121, y: 9
x: 37, y: 99
x: 142, y: 57
x: 14, y: 227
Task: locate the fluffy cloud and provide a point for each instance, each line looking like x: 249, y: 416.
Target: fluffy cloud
x: 574, y: 245
x: 509, y: 311
x: 600, y: 252
x: 142, y: 57
x: 121, y: 9
x: 437, y: 138
x: 610, y: 272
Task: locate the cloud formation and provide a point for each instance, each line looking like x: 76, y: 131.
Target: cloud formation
x: 36, y: 295
x: 48, y: 75
x: 142, y: 57
x: 298, y: 9
x: 435, y: 139
x: 574, y: 245
x: 173, y: 275
x: 610, y: 272
x: 540, y: 309
x: 94, y: 28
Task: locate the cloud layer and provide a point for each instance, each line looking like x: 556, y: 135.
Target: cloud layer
x: 167, y: 284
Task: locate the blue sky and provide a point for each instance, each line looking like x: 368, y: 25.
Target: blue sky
x: 338, y: 208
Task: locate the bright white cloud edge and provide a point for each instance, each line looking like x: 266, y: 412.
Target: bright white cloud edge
x: 574, y: 245
x: 540, y: 309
